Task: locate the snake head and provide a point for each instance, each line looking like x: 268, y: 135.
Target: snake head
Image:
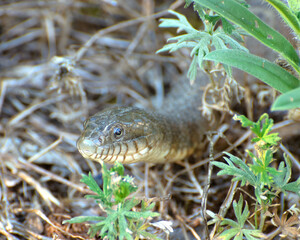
x: 124, y: 134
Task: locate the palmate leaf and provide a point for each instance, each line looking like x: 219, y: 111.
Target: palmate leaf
x: 93, y: 185
x: 120, y: 221
x: 241, y: 173
x: 237, y: 229
x: 201, y: 41
x: 103, y: 196
x: 241, y: 215
x: 261, y: 128
x: 260, y: 167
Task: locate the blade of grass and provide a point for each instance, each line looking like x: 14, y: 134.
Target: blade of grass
x: 266, y: 71
x: 287, y: 100
x: 287, y: 15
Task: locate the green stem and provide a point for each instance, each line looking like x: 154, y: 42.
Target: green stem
x: 262, y: 216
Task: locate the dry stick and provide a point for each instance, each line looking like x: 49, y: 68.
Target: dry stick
x: 225, y: 206
x: 44, y: 193
x: 5, y: 233
x: 118, y: 26
x: 140, y: 34
x: 146, y: 180
x: 205, y: 193
x: 27, y: 37
x: 193, y: 178
x: 4, y: 207
x: 3, y: 88
x: 46, y: 219
x: 54, y: 177
x: 34, y: 107
x: 45, y: 150
x: 188, y: 227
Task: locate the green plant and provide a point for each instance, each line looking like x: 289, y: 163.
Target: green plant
x: 237, y: 228
x: 201, y: 42
x: 266, y: 180
x: 212, y: 43
x: 120, y: 222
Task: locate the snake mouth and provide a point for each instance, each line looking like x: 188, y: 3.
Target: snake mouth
x: 124, y: 152
x: 86, y: 147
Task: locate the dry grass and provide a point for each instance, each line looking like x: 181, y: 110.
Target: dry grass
x: 61, y: 61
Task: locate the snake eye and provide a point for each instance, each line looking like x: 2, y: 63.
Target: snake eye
x: 118, y: 131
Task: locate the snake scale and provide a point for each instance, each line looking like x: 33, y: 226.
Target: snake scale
x: 129, y: 134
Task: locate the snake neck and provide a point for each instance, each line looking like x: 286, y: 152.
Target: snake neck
x: 129, y: 134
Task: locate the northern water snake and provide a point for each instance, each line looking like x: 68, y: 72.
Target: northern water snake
x: 130, y: 134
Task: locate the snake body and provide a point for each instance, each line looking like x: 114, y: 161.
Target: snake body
x: 130, y: 134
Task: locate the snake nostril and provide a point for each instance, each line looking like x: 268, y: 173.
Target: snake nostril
x: 100, y: 140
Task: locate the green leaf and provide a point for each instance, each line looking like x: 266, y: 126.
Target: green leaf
x: 241, y: 216
x: 266, y: 71
x: 228, y: 40
x: 172, y: 47
x: 244, y: 120
x: 182, y: 24
x: 192, y: 72
x: 227, y: 221
x: 267, y: 124
x: 92, y: 184
x: 148, y: 235
x: 103, y: 196
x: 238, y: 14
x: 128, y: 205
x: 227, y: 26
x: 293, y: 187
x: 237, y: 229
x: 261, y: 128
x: 122, y: 190
x: 82, y: 219
x: 212, y: 19
x: 146, y: 206
x: 229, y: 233
x: 241, y: 173
x: 120, y: 221
x: 252, y: 234
x: 288, y: 100
x: 119, y: 168
x: 294, y: 5
x: 272, y: 139
x: 124, y: 234
x: 281, y: 180
x: 287, y: 15
x: 137, y: 215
